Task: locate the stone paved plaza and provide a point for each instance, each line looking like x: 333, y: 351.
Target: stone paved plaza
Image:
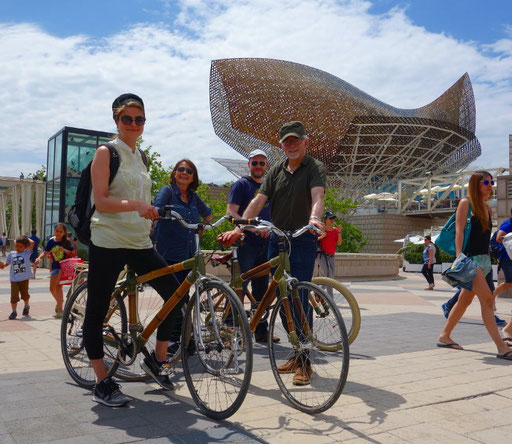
x: 401, y: 387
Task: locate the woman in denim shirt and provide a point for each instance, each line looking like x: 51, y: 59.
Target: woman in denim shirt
x: 174, y: 242
x: 479, y: 192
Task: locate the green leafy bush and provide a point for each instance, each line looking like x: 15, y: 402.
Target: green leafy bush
x: 413, y: 258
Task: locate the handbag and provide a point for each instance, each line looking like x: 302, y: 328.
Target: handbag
x: 446, y: 239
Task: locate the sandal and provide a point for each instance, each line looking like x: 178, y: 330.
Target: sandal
x: 58, y: 314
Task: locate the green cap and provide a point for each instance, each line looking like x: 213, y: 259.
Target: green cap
x: 294, y: 128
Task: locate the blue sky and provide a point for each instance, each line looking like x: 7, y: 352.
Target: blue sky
x: 64, y: 61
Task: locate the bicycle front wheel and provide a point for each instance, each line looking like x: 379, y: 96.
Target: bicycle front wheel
x: 312, y: 372
x: 74, y: 355
x: 346, y: 303
x: 217, y: 350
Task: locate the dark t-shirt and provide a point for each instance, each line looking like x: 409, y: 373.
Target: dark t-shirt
x: 242, y: 192
x: 478, y: 240
x: 290, y: 194
x: 52, y: 246
x: 34, y: 254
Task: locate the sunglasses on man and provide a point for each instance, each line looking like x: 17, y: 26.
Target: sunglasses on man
x: 187, y: 170
x: 488, y: 182
x: 260, y: 163
x: 139, y: 120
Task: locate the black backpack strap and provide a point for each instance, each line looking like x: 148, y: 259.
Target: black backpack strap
x: 144, y: 157
x: 114, y: 161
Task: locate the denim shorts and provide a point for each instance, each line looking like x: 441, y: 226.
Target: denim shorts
x: 54, y: 272
x: 483, y: 261
x: 506, y: 266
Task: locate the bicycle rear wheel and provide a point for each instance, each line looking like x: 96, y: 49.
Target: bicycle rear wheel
x: 74, y: 355
x: 218, y: 369
x: 325, y: 353
x: 346, y: 303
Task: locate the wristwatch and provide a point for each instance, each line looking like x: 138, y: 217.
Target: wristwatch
x: 316, y: 217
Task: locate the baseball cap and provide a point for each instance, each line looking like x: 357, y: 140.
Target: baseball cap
x: 258, y: 152
x: 294, y: 128
x: 329, y: 215
x: 125, y: 98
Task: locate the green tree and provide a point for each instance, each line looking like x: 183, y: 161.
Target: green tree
x: 40, y: 174
x: 218, y: 206
x: 353, y: 239
x: 158, y: 173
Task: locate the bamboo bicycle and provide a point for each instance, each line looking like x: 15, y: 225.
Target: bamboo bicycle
x: 324, y: 346
x: 217, y: 369
x: 342, y: 296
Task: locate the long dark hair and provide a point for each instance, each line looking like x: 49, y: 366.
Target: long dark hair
x: 192, y: 186
x: 66, y: 243
x: 477, y: 199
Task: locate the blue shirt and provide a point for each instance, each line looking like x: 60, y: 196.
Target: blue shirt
x: 34, y: 254
x: 507, y: 228
x: 426, y: 251
x: 21, y: 270
x: 242, y: 192
x: 174, y: 242
x: 52, y: 246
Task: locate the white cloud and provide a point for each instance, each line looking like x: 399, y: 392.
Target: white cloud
x: 49, y: 82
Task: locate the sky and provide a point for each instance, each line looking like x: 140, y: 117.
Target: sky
x: 62, y: 64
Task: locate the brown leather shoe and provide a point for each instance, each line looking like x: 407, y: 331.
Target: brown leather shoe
x: 264, y: 338
x: 303, y: 375
x: 290, y: 366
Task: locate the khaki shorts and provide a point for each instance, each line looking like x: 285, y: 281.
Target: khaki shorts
x: 17, y: 289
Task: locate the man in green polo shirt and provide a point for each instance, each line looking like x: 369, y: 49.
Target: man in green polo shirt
x: 295, y: 188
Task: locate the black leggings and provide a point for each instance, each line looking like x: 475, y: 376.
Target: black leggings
x: 105, y: 264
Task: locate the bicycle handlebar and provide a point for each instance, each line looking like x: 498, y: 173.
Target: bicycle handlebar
x: 261, y: 224
x: 167, y: 212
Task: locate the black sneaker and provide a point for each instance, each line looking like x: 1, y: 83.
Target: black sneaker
x: 13, y: 315
x: 107, y: 392
x: 153, y: 367
x: 26, y: 309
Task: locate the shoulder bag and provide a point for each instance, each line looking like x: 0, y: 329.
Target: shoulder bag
x: 446, y: 239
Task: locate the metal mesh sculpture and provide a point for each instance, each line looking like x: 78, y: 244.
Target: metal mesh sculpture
x: 364, y: 143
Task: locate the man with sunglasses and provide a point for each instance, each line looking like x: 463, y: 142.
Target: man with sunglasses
x: 295, y: 188
x: 253, y: 252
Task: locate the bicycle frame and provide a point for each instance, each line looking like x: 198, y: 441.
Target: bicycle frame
x: 280, y: 279
x: 197, y: 268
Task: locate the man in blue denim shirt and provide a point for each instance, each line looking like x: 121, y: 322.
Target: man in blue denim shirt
x: 253, y: 252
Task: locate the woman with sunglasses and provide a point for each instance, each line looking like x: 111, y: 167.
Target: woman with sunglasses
x: 174, y: 242
x: 479, y: 192
x: 120, y: 229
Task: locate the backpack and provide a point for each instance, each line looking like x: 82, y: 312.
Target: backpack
x: 437, y: 254
x: 79, y: 216
x: 494, y: 246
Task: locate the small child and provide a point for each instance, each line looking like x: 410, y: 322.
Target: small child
x: 20, y: 273
x: 59, y: 247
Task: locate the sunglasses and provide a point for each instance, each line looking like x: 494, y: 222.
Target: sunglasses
x: 488, y: 182
x: 187, y: 170
x: 261, y: 163
x: 139, y: 120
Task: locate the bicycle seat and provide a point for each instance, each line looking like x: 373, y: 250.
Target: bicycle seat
x: 222, y: 259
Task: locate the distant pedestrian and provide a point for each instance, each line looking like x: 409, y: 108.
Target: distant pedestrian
x: 20, y: 274
x: 35, y: 252
x: 428, y: 262
x: 60, y: 248
x: 74, y: 241
x: 3, y: 243
x: 325, y: 264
